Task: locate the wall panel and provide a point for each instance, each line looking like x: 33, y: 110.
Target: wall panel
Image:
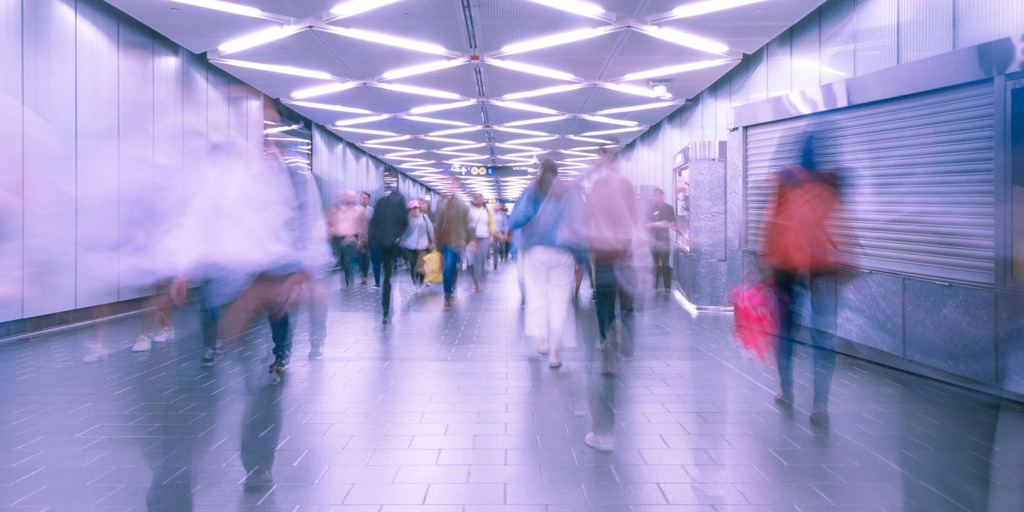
x: 875, y: 35
x: 11, y: 172
x: 805, y: 48
x: 838, y: 38
x: 980, y: 21
x: 49, y: 149
x: 136, y: 182
x: 779, y: 65
x: 925, y: 28
x: 168, y: 147
x: 97, y: 157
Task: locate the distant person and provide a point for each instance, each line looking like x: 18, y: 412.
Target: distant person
x: 661, y: 219
x: 390, y: 219
x: 416, y: 241
x: 551, y: 227
x: 344, y: 223
x: 482, y: 226
x: 368, y: 255
x: 502, y: 235
x: 799, y: 249
x: 451, y: 237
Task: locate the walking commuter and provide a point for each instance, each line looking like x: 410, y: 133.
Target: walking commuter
x: 344, y: 223
x: 661, y: 219
x: 800, y: 250
x: 387, y: 226
x: 417, y: 240
x: 367, y: 254
x: 550, y: 220
x: 499, y: 248
x: 451, y: 237
x: 612, y: 212
x: 482, y: 226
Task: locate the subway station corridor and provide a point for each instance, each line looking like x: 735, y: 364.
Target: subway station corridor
x: 452, y: 410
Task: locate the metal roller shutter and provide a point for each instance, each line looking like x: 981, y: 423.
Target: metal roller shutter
x: 918, y: 180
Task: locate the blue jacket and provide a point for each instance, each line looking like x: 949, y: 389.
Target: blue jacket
x: 555, y: 220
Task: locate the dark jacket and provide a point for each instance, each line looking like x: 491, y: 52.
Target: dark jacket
x: 389, y: 220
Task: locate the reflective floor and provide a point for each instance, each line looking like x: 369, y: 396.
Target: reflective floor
x: 453, y: 411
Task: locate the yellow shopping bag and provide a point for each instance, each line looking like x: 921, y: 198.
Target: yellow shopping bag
x: 432, y: 267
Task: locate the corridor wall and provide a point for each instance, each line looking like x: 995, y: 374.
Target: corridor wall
x: 339, y: 165
x: 102, y: 120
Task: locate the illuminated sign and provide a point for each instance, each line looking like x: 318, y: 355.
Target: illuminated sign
x: 498, y: 171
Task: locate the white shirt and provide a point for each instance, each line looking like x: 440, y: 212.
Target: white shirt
x: 478, y: 221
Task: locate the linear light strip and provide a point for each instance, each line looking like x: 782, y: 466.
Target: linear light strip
x: 326, y: 106
x: 422, y: 68
x: 538, y: 120
x: 218, y: 5
x: 412, y: 89
x: 609, y: 120
x: 257, y: 39
x: 533, y: 70
x: 686, y: 39
x: 426, y: 109
x: 634, y: 108
x: 708, y: 6
x: 389, y: 40
x: 354, y: 7
x: 274, y: 68
x: 677, y: 69
x: 553, y: 40
x: 542, y: 92
x: 321, y: 90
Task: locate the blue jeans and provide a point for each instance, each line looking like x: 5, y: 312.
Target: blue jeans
x: 822, y: 342
x: 451, y: 269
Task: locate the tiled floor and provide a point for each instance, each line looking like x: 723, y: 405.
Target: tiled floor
x: 452, y: 411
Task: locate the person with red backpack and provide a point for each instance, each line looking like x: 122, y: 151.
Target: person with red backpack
x: 800, y: 249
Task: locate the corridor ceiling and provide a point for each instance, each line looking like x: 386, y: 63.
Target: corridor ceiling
x: 426, y: 85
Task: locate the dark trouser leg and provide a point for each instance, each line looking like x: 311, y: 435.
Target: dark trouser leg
x: 604, y: 282
x: 349, y: 253
x: 824, y: 354
x: 410, y: 257
x: 388, y: 256
x: 364, y: 262
x: 784, y: 283
x: 451, y: 269
x: 280, y: 332
x: 375, y: 262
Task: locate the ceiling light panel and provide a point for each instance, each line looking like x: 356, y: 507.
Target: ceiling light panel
x: 389, y: 40
x: 552, y: 40
x: 422, y: 91
x: 327, y: 106
x: 420, y: 69
x: 542, y: 91
x: 361, y: 120
x: 677, y: 69
x: 532, y: 69
x: 323, y: 90
x: 354, y: 7
x: 435, y: 120
x: 255, y: 39
x: 222, y: 6
x: 687, y: 39
x: 275, y: 68
x: 439, y: 107
x: 691, y: 9
x: 453, y: 131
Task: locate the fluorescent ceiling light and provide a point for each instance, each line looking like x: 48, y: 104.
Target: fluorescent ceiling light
x: 406, y: 159
x: 445, y: 139
x: 464, y: 146
x: 321, y: 90
x: 609, y: 120
x: 581, y: 158
x: 422, y: 68
x: 326, y: 106
x: 279, y: 129
x: 532, y: 139
x: 353, y: 7
x: 538, y: 120
x: 675, y: 70
x: 256, y: 39
x: 515, y: 158
x: 518, y: 130
x: 388, y: 139
x: 523, y: 106
x: 469, y: 158
x: 274, y: 68
x: 634, y: 108
x: 574, y: 152
x: 706, y: 6
x: 385, y: 146
x: 361, y: 130
x: 456, y: 153
x: 406, y: 153
x: 553, y: 40
x: 533, y: 70
x: 574, y: 6
x: 412, y: 89
x: 636, y: 91
x: 513, y: 146
x: 615, y: 130
x: 455, y: 130
x: 218, y: 5
x: 445, y: 106
x: 437, y: 121
x: 361, y: 120
x: 290, y: 139
x: 687, y: 40
x: 398, y: 42
x: 590, y: 139
x: 541, y: 92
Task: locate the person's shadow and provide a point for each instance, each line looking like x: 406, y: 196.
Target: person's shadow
x: 261, y: 430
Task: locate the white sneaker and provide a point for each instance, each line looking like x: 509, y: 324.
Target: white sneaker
x: 142, y: 343
x: 95, y: 353
x: 599, y: 443
x: 165, y: 334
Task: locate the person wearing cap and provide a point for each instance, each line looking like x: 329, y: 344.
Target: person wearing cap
x: 417, y: 239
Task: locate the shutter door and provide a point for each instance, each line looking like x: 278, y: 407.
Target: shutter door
x: 918, y: 180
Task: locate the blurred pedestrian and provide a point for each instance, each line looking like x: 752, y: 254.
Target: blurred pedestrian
x: 482, y: 226
x: 344, y: 223
x: 416, y: 241
x: 390, y: 219
x: 612, y: 212
x: 367, y: 253
x: 661, y: 219
x: 499, y: 248
x: 799, y: 250
x: 551, y: 227
x: 451, y: 237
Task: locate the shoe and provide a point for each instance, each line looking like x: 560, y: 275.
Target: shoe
x: 448, y: 302
x: 544, y: 348
x: 142, y: 343
x: 364, y: 281
x: 554, y: 363
x: 209, y: 358
x: 376, y: 286
x: 95, y: 353
x: 819, y: 416
x: 259, y: 480
x: 522, y: 303
x: 316, y: 352
x: 280, y: 364
x: 784, y: 400
x: 599, y: 443
x: 218, y: 347
x: 165, y: 334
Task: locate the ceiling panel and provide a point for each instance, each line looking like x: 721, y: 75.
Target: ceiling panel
x: 501, y: 22
x: 434, y: 21
x: 584, y: 59
x: 272, y: 84
x: 302, y: 50
x: 460, y: 80
x: 196, y: 28
x: 366, y: 60
x: 499, y: 81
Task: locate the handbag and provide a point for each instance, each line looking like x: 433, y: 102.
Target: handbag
x: 755, y: 308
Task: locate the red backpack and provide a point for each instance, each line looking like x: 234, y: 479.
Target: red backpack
x: 797, y: 235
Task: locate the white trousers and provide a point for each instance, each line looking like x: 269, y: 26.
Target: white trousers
x: 549, y: 276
